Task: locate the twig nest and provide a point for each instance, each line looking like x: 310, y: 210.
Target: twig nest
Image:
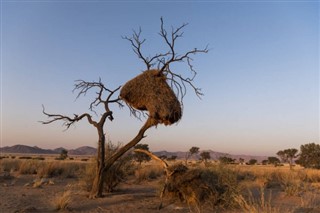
x: 150, y: 91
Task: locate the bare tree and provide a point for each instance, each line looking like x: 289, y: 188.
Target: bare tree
x: 105, y: 97
x: 192, y: 151
x: 103, y: 164
x: 101, y: 99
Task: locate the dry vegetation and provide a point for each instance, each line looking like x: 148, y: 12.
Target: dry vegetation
x: 32, y: 185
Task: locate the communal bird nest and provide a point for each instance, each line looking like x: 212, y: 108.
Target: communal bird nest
x: 150, y: 91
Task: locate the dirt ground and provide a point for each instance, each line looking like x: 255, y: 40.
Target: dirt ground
x: 27, y: 193
x: 18, y: 194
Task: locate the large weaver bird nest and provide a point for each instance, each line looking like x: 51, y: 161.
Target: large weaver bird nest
x: 150, y: 91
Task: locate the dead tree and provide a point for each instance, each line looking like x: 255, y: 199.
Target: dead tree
x: 162, y: 62
x: 101, y: 99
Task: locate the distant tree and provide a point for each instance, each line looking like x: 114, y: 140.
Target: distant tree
x: 282, y: 156
x: 226, y: 160
x: 309, y: 156
x: 291, y: 154
x: 288, y: 155
x: 63, y: 154
x: 274, y: 160
x: 264, y: 162
x: 241, y: 160
x: 192, y: 151
x: 205, y: 156
x: 163, y: 157
x: 252, y: 162
x: 139, y: 156
x: 172, y: 158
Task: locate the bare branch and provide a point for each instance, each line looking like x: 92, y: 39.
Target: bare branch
x: 67, y: 121
x: 162, y: 61
x: 83, y: 87
x: 136, y: 44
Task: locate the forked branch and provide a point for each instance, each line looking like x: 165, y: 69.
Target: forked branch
x: 83, y: 87
x: 67, y: 121
x: 162, y: 61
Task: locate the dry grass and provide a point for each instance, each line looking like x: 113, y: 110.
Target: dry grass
x: 42, y: 168
x: 227, y: 188
x: 246, y: 188
x: 9, y: 165
x: 148, y: 172
x: 62, y: 202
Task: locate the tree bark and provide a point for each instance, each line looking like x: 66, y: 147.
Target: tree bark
x: 97, y: 185
x: 104, y: 165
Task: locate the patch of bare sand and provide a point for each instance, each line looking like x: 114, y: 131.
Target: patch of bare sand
x: 18, y: 194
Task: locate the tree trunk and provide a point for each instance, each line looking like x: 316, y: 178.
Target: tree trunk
x: 103, y: 166
x: 97, y: 185
x: 110, y: 161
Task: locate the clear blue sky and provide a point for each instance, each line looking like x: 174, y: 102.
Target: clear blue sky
x: 260, y: 78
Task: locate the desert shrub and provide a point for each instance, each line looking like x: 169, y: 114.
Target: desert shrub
x: 259, y: 203
x: 117, y: 173
x: 38, y: 158
x: 59, y: 158
x: 9, y: 165
x: 29, y: 167
x: 62, y: 202
x: 25, y: 157
x: 54, y: 169
x: 216, y: 186
x: 88, y: 175
x: 148, y: 173
x: 310, y: 175
x: 120, y: 170
x: 228, y: 180
x: 50, y: 169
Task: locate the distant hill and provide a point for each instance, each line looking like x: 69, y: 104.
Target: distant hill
x: 26, y: 150
x: 23, y: 149
x: 87, y: 150
x: 84, y: 150
x: 214, y: 155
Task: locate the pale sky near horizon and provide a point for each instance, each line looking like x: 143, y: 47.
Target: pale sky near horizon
x: 260, y: 78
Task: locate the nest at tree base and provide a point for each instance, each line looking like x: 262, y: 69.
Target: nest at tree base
x: 150, y: 91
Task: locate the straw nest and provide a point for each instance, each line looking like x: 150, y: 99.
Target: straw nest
x: 150, y: 91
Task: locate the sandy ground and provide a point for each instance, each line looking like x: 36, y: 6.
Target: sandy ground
x: 18, y: 194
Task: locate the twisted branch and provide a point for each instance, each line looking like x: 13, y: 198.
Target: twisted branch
x: 83, y: 87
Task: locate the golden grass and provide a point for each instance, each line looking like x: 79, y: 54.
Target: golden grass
x: 148, y: 172
x: 241, y: 188
x: 62, y: 202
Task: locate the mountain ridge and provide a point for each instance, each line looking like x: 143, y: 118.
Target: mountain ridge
x: 87, y: 150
